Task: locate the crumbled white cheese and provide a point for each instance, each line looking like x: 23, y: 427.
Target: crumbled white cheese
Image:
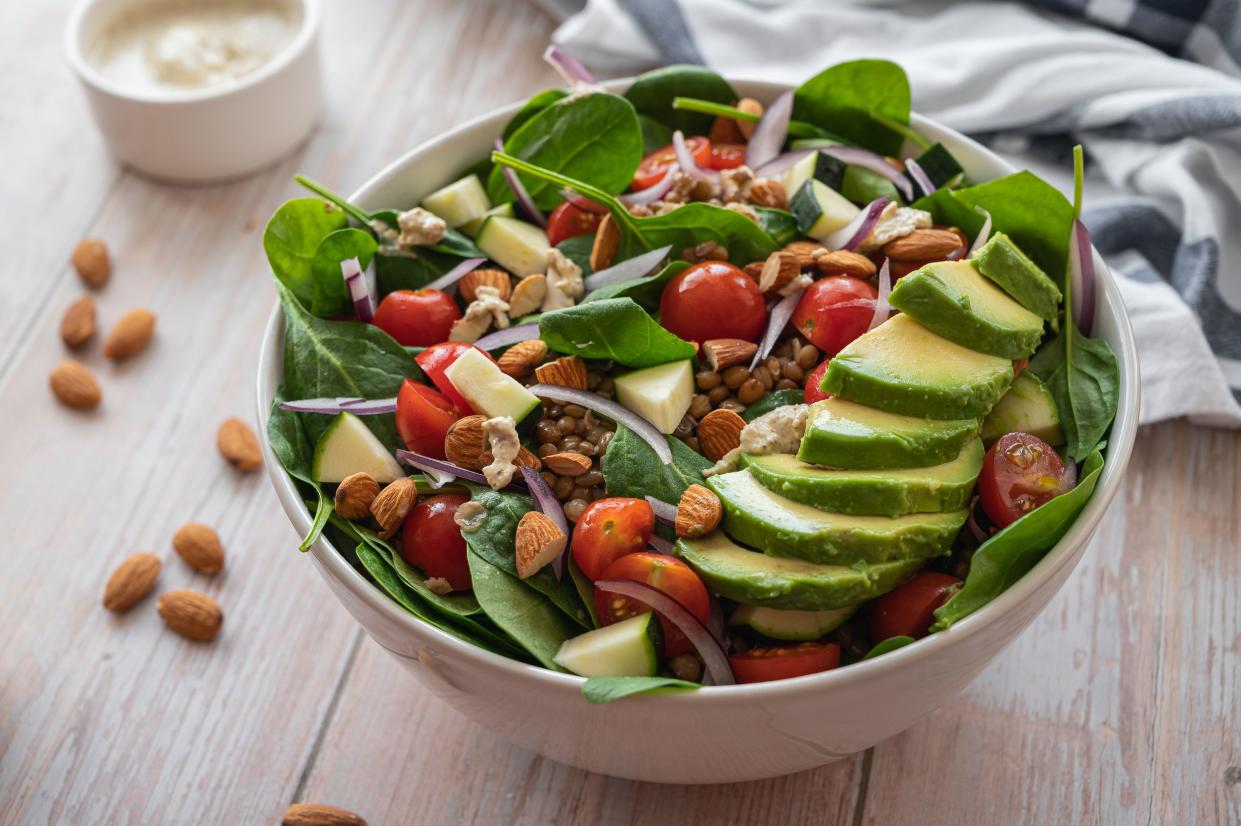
x: 564, y: 281
x: 800, y: 282
x: 420, y: 228
x: 501, y: 433
x: 689, y: 187
x: 779, y: 431
x: 486, y: 308
x: 735, y: 183
x: 894, y: 222
x: 470, y: 515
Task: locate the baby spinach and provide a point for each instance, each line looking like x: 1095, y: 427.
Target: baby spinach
x: 577, y: 249
x: 286, y: 434
x: 778, y: 223
x: 536, y: 104
x: 411, y: 272
x: 614, y: 328
x: 1010, y: 554
x: 292, y: 237
x: 607, y: 689
x: 655, y: 135
x: 890, y: 644
x: 329, y: 295
x: 772, y: 400
x: 697, y: 222
x: 653, y: 93
x: 522, y: 613
x: 1084, y: 381
x: 631, y: 468
x: 646, y: 291
x: 843, y: 97
x: 585, y: 590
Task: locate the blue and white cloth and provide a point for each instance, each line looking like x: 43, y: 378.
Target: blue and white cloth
x: 1152, y: 88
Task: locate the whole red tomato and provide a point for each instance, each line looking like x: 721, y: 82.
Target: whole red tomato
x: 423, y: 416
x: 654, y: 165
x: 1019, y: 473
x: 436, y: 359
x: 813, y: 392
x: 569, y: 221
x: 664, y: 573
x: 608, y: 529
x: 908, y: 611
x: 834, y: 311
x: 417, y: 318
x: 431, y: 540
x: 780, y: 662
x: 712, y: 299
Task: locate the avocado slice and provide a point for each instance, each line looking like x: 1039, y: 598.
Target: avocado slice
x: 845, y: 434
x: 952, y: 299
x: 944, y: 487
x: 1026, y: 408
x: 782, y: 527
x: 902, y: 367
x: 753, y: 578
x: 790, y: 625
x: 1005, y: 264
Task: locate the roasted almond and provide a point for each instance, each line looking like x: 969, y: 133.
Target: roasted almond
x: 721, y: 353
x: 719, y: 432
x: 754, y: 269
x: 74, y: 385
x: 752, y: 107
x: 806, y: 251
x: 607, y: 241
x: 132, y: 580
x: 698, y: 513
x: 238, y: 444
x: 844, y: 262
x: 568, y: 371
x: 319, y: 814
x: 725, y: 130
x: 520, y: 360
x: 524, y: 458
x: 354, y: 496
x: 191, y: 614
x: 90, y: 259
x: 78, y: 323
x: 465, y: 442
x: 468, y: 286
x: 130, y: 335
x: 528, y: 295
x: 199, y: 545
x: 392, y: 505
x: 778, y: 270
x: 768, y: 192
x: 568, y: 463
x: 929, y: 244
x: 539, y: 541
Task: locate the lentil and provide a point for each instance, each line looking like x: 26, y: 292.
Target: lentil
x: 750, y: 392
x: 735, y: 376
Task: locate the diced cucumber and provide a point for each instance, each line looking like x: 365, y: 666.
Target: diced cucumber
x: 1027, y: 407
x: 519, y: 247
x: 782, y: 624
x: 659, y: 394
x: 818, y: 166
x: 940, y: 166
x: 629, y: 648
x: 460, y: 202
x: 471, y: 228
x: 487, y: 389
x: 348, y: 447
x: 820, y: 210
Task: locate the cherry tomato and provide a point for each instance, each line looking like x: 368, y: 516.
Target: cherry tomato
x: 727, y: 155
x: 813, y: 392
x: 654, y: 165
x: 1019, y: 365
x: 608, y: 529
x: 666, y: 573
x: 417, y: 318
x: 432, y: 540
x: 569, y: 221
x: 423, y: 416
x: 834, y: 311
x: 713, y: 299
x: 909, y: 610
x: 436, y: 359
x: 1019, y: 473
x: 902, y: 268
x: 780, y: 662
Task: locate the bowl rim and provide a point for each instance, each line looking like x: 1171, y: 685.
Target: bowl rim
x: 1119, y: 449
x: 75, y: 54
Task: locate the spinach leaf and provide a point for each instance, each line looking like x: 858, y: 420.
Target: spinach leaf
x: 522, y: 613
x: 1010, y: 554
x: 890, y: 644
x: 577, y: 249
x: 778, y: 223
x: 291, y: 238
x: 607, y: 689
x: 655, y: 135
x: 585, y: 590
x: 410, y: 272
x: 652, y: 95
x: 696, y: 222
x: 843, y: 97
x: 289, y: 442
x: 1084, y: 381
x: 631, y: 468
x: 329, y: 296
x: 772, y: 400
x: 594, y: 138
x: 536, y: 104
x: 646, y: 290
x: 616, y: 329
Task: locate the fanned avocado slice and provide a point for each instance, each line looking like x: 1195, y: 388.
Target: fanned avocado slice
x: 845, y: 434
x: 1004, y: 263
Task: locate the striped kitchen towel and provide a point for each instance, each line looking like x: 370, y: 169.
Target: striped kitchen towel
x: 1152, y: 88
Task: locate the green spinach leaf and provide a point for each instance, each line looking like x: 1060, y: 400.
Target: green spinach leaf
x: 536, y: 104
x: 842, y: 99
x: 779, y: 224
x: 291, y: 238
x: 652, y: 95
x: 631, y: 468
x: 577, y: 249
x: 585, y: 590
x: 329, y: 297
x: 607, y: 689
x: 697, y: 222
x: 655, y: 135
x: 772, y: 400
x: 615, y: 328
x: 287, y: 437
x: 1084, y: 381
x: 646, y: 291
x: 521, y: 612
x: 890, y: 644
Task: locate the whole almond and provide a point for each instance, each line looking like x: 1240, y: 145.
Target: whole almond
x: 392, y: 505
x: 780, y: 268
x: 607, y: 241
x: 319, y: 814
x: 807, y: 252
x: 698, y: 513
x: 90, y: 259
x: 725, y: 130
x: 78, y: 323
x: 719, y: 432
x: 539, y: 540
x: 468, y: 286
x: 464, y: 443
x: 528, y: 295
x: 132, y: 580
x: 74, y: 385
x: 722, y: 353
x: 354, y: 496
x: 845, y: 262
x: 567, y: 463
x: 520, y: 360
x: 754, y: 270
x: 130, y: 335
x: 569, y: 371
x: 524, y: 458
x: 923, y: 245
x: 238, y: 444
x: 199, y: 545
x: 752, y: 107
x: 768, y: 192
x: 191, y: 614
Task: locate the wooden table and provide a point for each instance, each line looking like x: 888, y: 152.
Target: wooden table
x: 1121, y: 705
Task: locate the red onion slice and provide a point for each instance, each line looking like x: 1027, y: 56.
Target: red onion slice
x: 1070, y: 474
x: 782, y: 163
x: 646, y: 431
x: 779, y: 316
x: 769, y: 134
x: 882, y: 308
x: 546, y: 502
x: 983, y: 234
x: 507, y: 336
x: 583, y: 203
x: 714, y: 659
x: 919, y: 175
x: 716, y: 624
x: 850, y: 237
x: 628, y: 269
x: 448, y: 281
x: 519, y: 192
x: 438, y: 471
x: 569, y: 67
x: 664, y: 512
x: 662, y: 546
x: 686, y: 160
x: 1081, y: 274
x: 655, y: 191
x: 971, y: 523
x: 342, y: 404
x: 359, y: 290
x: 857, y: 156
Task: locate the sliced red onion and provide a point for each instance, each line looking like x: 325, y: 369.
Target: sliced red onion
x: 447, y: 282
x: 850, y: 237
x: 519, y: 192
x: 857, y: 156
x: 569, y: 67
x: 782, y: 163
x: 882, y: 308
x: 546, y: 502
x: 359, y: 291
x: 686, y: 160
x: 646, y: 431
x: 716, y: 624
x: 768, y: 136
x: 662, y: 546
x: 779, y: 316
x: 342, y: 404
x: 628, y: 269
x: 714, y: 659
x: 971, y: 523
x: 664, y: 512
x: 507, y: 336
x: 1081, y: 273
x: 438, y: 471
x: 983, y: 234
x: 919, y: 175
x: 655, y: 191
x: 583, y: 203
x: 1070, y: 474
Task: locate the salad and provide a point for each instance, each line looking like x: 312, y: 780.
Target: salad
x: 675, y: 388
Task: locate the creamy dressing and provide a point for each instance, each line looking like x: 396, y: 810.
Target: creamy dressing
x: 182, y: 45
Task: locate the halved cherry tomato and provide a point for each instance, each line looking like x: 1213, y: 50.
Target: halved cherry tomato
x: 909, y: 610
x: 713, y: 299
x: 417, y: 318
x: 902, y: 268
x: 1019, y: 365
x: 813, y: 392
x: 436, y: 359
x: 569, y: 221
x: 1019, y: 473
x: 608, y: 529
x: 834, y: 311
x: 423, y: 416
x: 666, y: 573
x: 654, y: 165
x: 780, y: 662
x: 432, y: 540
x: 727, y: 155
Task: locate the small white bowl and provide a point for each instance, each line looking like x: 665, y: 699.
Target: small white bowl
x: 721, y: 734
x: 212, y: 134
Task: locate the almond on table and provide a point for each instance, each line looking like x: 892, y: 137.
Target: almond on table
x: 78, y: 323
x: 132, y: 580
x: 75, y: 385
x: 191, y: 614
x: 130, y: 335
x: 238, y: 444
x: 90, y: 259
x: 199, y: 545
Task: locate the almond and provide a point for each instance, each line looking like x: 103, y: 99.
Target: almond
x: 807, y: 252
x: 392, y: 505
x: 725, y: 130
x: 520, y: 360
x: 74, y: 385
x: 132, y: 580
x: 354, y: 496
x: 464, y: 443
x: 607, y: 241
x: 90, y: 259
x: 719, y: 432
x: 238, y: 444
x: 844, y: 262
x: 528, y: 295
x: 922, y: 245
x: 191, y: 614
x: 78, y: 323
x: 568, y: 371
x: 721, y: 353
x: 539, y: 541
x: 568, y: 463
x: 698, y: 513
x: 319, y: 814
x: 768, y: 192
x: 778, y: 270
x: 524, y: 458
x: 468, y: 286
x: 752, y: 107
x: 130, y: 335
x: 199, y: 545
x: 754, y: 269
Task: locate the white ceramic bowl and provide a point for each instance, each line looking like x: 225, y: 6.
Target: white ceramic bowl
x: 713, y: 735
x: 213, y: 134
